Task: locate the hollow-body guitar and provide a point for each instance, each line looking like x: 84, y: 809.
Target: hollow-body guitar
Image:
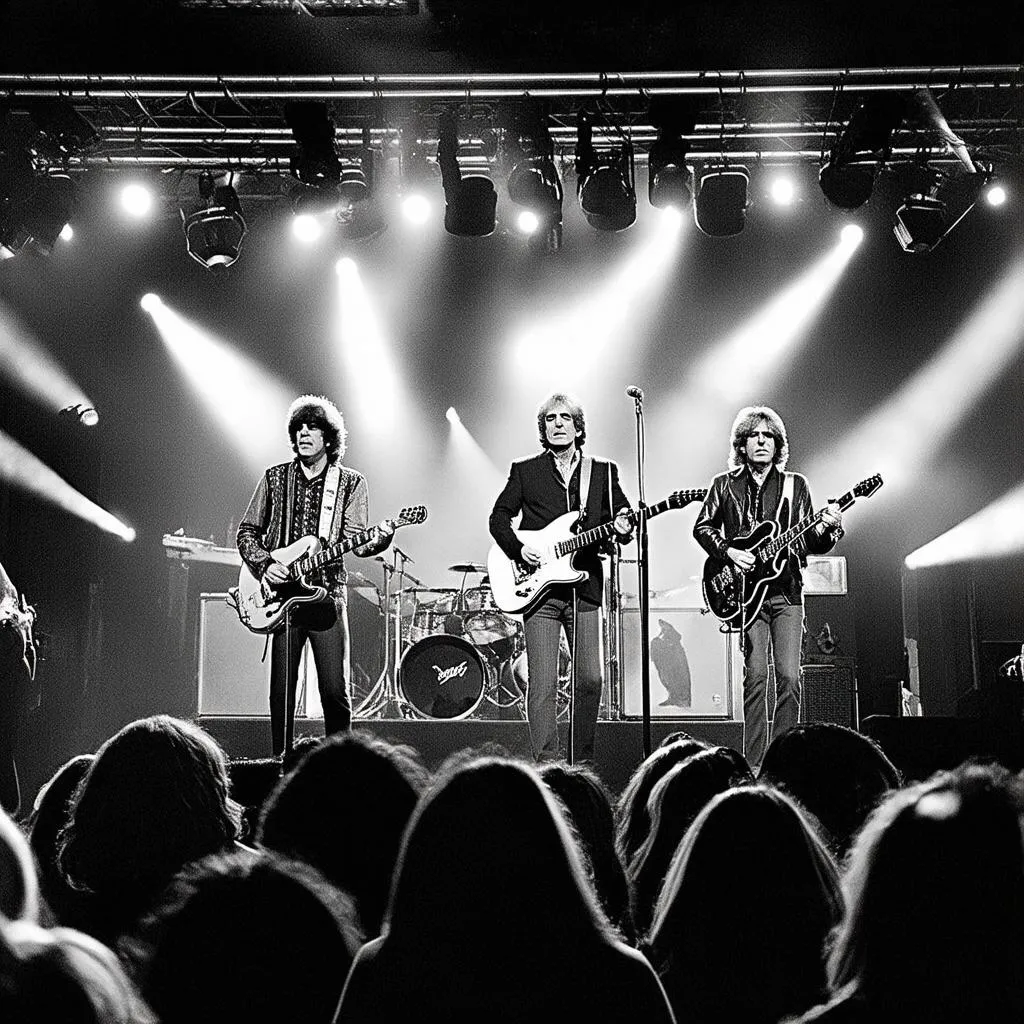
x: 517, y: 587
x: 262, y: 606
x: 735, y: 595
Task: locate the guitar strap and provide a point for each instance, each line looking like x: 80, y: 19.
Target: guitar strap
x: 329, y: 500
x: 586, y: 468
x: 787, y: 500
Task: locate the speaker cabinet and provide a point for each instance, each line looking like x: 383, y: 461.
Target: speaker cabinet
x: 829, y: 691
x: 694, y: 666
x: 232, y: 679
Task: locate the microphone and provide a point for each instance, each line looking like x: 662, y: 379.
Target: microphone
x: 634, y: 392
x: 411, y: 561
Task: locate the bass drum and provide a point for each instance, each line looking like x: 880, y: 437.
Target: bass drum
x: 442, y: 677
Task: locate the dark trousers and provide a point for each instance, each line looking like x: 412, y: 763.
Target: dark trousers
x: 325, y: 626
x: 544, y: 625
x: 782, y: 624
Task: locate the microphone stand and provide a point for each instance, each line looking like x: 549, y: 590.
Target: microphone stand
x: 643, y: 577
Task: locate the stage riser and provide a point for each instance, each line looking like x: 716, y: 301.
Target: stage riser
x: 618, y: 746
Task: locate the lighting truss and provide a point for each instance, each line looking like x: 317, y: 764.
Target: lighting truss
x: 314, y: 7
x: 753, y: 117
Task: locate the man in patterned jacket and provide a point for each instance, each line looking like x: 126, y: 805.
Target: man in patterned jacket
x: 316, y: 495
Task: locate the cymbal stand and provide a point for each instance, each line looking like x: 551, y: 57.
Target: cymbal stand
x: 385, y: 699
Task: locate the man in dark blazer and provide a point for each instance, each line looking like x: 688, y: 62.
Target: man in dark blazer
x: 542, y: 488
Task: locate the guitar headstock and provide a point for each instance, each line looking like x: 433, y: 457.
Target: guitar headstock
x: 679, y: 499
x: 412, y: 515
x: 868, y: 487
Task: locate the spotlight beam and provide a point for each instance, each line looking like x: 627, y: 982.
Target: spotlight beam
x: 994, y: 532
x: 246, y: 400
x: 26, y: 363
x: 903, y: 434
x: 20, y: 468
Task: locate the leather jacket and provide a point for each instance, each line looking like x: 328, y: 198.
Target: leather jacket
x: 727, y: 513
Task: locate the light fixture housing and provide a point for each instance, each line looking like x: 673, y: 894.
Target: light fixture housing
x: 921, y: 222
x: 847, y: 178
x: 720, y: 207
x: 215, y: 230
x: 470, y: 201
x: 605, y: 182
x: 314, y: 161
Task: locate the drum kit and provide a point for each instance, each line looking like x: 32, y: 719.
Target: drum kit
x: 456, y: 653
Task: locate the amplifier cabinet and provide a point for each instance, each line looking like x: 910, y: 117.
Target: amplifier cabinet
x: 695, y: 668
x: 232, y: 678
x: 829, y: 691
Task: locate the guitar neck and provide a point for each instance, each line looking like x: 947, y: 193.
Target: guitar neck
x: 799, y: 529
x: 599, y: 533
x: 328, y: 554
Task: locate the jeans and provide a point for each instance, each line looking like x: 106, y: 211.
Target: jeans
x: 544, y: 625
x: 783, y: 624
x: 325, y: 625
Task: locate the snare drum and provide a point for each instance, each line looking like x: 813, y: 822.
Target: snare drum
x: 485, y: 622
x: 443, y: 677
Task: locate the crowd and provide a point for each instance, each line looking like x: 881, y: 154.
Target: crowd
x: 365, y: 888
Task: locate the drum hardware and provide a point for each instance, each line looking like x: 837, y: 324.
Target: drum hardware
x: 385, y: 700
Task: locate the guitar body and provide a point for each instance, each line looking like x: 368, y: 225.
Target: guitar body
x: 736, y: 596
x: 517, y: 587
x: 261, y: 606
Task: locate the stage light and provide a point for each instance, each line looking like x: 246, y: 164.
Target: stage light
x: 668, y: 177
x: 452, y: 416
x: 721, y: 205
x: 306, y: 228
x: 852, y: 235
x: 995, y: 195
x: 67, y: 233
x: 314, y: 162
x: 470, y: 201
x: 604, y: 180
x: 150, y: 302
x: 34, y: 209
x: 86, y: 415
x: 848, y: 176
x: 920, y: 222
x: 214, y: 232
x: 416, y: 208
x: 136, y: 200
x: 783, y: 191
x: 528, y: 222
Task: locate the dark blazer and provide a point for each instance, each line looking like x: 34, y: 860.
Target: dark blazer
x: 535, y: 488
x: 728, y: 512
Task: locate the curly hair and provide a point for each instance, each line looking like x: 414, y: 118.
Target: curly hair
x: 321, y: 412
x: 747, y: 420
x: 575, y: 410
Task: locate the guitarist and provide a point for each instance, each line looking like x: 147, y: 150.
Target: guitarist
x: 752, y: 492
x: 316, y: 495
x: 542, y: 488
x: 17, y: 649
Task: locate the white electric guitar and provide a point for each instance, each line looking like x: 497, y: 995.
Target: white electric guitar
x: 262, y: 606
x: 517, y: 586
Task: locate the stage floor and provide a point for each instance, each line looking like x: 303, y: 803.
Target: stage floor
x: 618, y: 745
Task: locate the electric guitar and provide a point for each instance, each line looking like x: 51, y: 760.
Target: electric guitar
x: 517, y: 587
x: 21, y: 618
x: 735, y: 595
x: 262, y: 606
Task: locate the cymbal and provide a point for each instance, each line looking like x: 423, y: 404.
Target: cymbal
x: 467, y: 567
